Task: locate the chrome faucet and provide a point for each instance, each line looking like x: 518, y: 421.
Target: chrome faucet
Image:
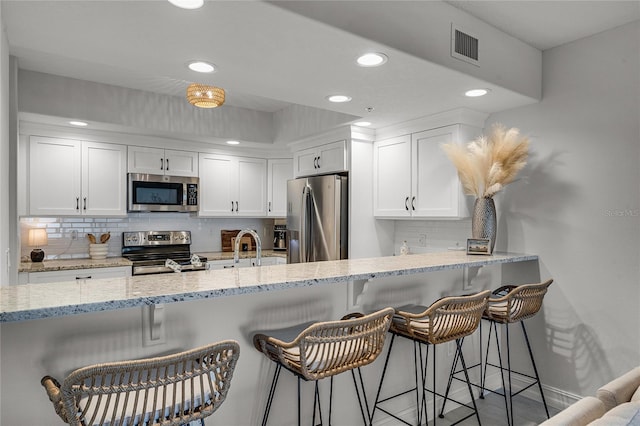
x: 256, y: 237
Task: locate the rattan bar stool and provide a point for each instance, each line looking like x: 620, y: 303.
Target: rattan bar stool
x: 447, y: 319
x: 510, y: 304
x: 169, y: 390
x: 314, y: 351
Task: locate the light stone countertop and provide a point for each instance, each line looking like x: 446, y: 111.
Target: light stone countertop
x: 38, y: 301
x: 110, y: 262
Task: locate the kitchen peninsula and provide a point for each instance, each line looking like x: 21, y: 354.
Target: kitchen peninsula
x: 56, y: 328
x: 27, y: 302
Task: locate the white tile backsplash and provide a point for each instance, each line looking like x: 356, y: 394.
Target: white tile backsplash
x: 205, y: 232
x: 423, y: 236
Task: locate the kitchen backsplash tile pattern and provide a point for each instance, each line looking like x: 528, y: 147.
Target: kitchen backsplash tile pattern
x: 425, y: 236
x: 67, y: 236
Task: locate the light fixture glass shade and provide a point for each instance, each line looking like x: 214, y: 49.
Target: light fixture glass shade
x: 205, y: 96
x: 37, y: 237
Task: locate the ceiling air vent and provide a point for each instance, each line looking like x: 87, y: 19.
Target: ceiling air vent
x: 464, y: 46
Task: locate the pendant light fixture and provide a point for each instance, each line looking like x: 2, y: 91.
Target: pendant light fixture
x: 205, y: 96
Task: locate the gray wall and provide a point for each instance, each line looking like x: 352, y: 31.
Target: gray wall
x: 578, y: 207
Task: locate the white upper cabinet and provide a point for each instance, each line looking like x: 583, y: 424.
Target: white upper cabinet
x: 70, y: 177
x: 320, y: 160
x: 414, y: 178
x: 159, y: 161
x: 392, y: 177
x: 279, y: 171
x: 232, y: 186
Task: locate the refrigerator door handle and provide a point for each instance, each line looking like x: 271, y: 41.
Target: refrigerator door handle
x: 305, y: 231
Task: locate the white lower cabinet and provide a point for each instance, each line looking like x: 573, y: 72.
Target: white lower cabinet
x: 232, y: 186
x: 70, y: 177
x: 414, y: 178
x: 78, y: 274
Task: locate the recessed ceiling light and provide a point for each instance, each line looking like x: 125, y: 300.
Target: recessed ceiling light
x: 233, y: 142
x: 78, y: 123
x: 362, y: 123
x: 372, y: 59
x: 338, y: 98
x: 201, y: 66
x: 187, y: 4
x: 474, y: 93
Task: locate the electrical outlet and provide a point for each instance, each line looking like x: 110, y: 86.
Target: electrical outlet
x: 422, y: 240
x: 74, y: 234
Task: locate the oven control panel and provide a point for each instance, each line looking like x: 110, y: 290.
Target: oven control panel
x: 155, y: 238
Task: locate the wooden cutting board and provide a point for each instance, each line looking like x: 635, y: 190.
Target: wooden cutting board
x: 228, y: 240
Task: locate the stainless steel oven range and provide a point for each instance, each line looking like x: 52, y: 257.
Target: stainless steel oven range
x: 158, y: 252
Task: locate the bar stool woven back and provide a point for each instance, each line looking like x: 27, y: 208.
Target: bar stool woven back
x: 519, y: 303
x: 447, y: 319
x: 325, y: 349
x: 170, y: 390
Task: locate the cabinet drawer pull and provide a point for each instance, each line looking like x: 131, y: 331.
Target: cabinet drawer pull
x: 406, y: 204
x: 413, y: 206
x: 86, y: 277
x: 228, y: 266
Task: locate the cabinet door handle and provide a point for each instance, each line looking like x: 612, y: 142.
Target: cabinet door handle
x: 237, y: 209
x: 167, y: 160
x: 413, y: 200
x: 86, y: 277
x: 315, y: 165
x: 318, y: 161
x: 77, y: 203
x: 406, y: 204
x: 269, y: 206
x: 162, y: 164
x: 232, y: 206
x: 84, y: 205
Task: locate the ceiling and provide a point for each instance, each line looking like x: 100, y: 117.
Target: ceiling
x: 270, y: 57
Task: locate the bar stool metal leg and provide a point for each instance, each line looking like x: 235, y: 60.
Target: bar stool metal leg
x: 272, y: 390
x: 535, y: 369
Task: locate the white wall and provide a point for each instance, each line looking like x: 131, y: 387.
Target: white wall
x: 578, y: 207
x: 5, y: 182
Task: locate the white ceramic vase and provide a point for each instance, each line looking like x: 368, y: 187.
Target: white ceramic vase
x: 98, y: 251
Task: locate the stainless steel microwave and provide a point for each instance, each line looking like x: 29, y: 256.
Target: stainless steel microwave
x: 160, y: 193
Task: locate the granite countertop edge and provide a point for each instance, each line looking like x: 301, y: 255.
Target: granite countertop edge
x: 20, y: 303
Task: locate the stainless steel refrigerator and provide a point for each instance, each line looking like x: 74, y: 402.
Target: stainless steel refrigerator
x: 317, y: 218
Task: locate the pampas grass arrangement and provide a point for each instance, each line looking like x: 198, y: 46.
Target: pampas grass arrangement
x: 489, y: 163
